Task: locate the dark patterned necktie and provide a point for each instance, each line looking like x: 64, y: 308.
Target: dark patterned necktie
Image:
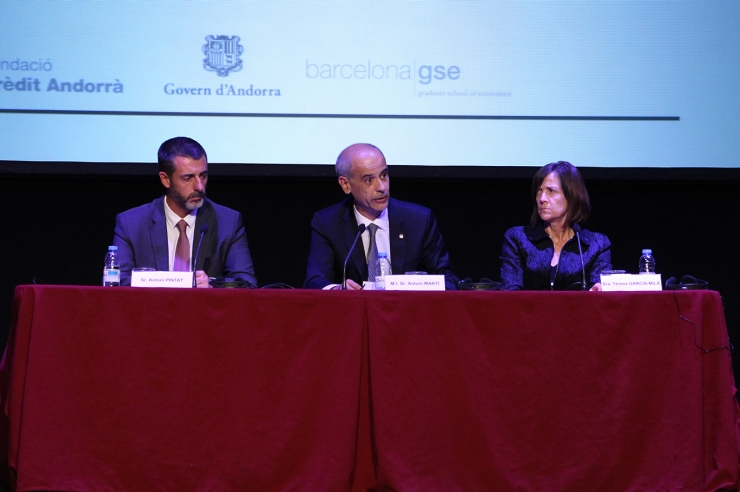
x: 372, y: 254
x: 182, y: 250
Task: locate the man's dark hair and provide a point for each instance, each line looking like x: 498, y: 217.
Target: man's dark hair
x: 574, y: 190
x: 178, y: 147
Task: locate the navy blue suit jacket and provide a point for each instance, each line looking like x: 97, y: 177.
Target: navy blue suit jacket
x: 141, y: 237
x: 416, y: 244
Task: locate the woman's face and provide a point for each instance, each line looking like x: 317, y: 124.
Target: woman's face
x: 551, y: 203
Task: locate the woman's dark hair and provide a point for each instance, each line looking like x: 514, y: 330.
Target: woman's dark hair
x: 574, y: 189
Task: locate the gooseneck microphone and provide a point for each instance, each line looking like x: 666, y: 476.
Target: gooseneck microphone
x: 577, y: 230
x: 203, y: 230
x: 360, y: 230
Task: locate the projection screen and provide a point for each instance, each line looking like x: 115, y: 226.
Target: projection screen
x: 633, y: 83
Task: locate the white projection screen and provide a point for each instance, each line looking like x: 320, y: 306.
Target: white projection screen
x: 604, y: 84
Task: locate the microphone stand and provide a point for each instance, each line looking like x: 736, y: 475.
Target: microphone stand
x: 203, y: 230
x: 360, y: 230
x: 577, y: 230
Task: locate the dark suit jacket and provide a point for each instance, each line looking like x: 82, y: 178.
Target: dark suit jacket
x: 141, y: 237
x: 416, y: 244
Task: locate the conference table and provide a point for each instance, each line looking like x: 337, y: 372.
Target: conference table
x: 126, y: 389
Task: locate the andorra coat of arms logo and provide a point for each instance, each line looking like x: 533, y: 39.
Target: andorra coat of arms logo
x: 222, y: 54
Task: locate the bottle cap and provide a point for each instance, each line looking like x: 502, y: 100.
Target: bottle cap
x: 647, y: 251
x: 382, y: 255
x: 112, y: 248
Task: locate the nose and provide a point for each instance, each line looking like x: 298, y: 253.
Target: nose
x: 382, y: 185
x: 199, y: 184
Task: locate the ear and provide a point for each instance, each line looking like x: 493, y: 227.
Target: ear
x: 344, y: 183
x: 165, y: 179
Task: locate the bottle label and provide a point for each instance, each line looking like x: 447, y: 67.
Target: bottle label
x: 111, y: 276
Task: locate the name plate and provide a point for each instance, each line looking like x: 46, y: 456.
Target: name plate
x: 175, y: 280
x: 414, y: 282
x: 629, y: 282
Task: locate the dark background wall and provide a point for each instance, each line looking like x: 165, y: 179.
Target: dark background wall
x: 57, y: 228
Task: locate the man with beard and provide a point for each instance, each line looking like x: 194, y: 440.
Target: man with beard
x: 405, y: 231
x: 165, y: 234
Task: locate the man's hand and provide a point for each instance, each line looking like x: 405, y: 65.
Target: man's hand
x: 201, y: 279
x: 352, y: 285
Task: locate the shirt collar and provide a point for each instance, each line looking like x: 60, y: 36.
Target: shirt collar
x: 538, y: 233
x: 173, y: 218
x: 535, y: 233
x: 381, y: 221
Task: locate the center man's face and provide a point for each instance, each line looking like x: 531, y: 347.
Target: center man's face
x: 368, y: 183
x: 187, y: 185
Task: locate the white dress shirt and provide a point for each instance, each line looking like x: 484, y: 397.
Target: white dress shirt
x: 173, y: 233
x: 382, y: 235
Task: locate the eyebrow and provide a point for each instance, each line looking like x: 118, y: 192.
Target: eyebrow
x: 384, y: 170
x: 368, y: 175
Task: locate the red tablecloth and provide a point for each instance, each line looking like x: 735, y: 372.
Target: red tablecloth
x: 157, y: 389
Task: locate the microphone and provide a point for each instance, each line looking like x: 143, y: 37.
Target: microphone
x: 203, y: 230
x: 360, y: 230
x: 577, y: 230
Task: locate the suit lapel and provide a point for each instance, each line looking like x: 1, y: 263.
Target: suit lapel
x: 397, y: 236
x: 158, y: 234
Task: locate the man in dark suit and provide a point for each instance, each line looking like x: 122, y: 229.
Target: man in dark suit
x: 407, y: 232
x: 165, y: 234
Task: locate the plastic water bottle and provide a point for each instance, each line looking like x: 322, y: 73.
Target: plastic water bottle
x: 384, y: 267
x: 112, y: 268
x: 647, y: 262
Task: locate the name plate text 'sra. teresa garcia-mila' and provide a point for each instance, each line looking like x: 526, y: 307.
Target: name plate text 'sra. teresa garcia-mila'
x: 631, y: 283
